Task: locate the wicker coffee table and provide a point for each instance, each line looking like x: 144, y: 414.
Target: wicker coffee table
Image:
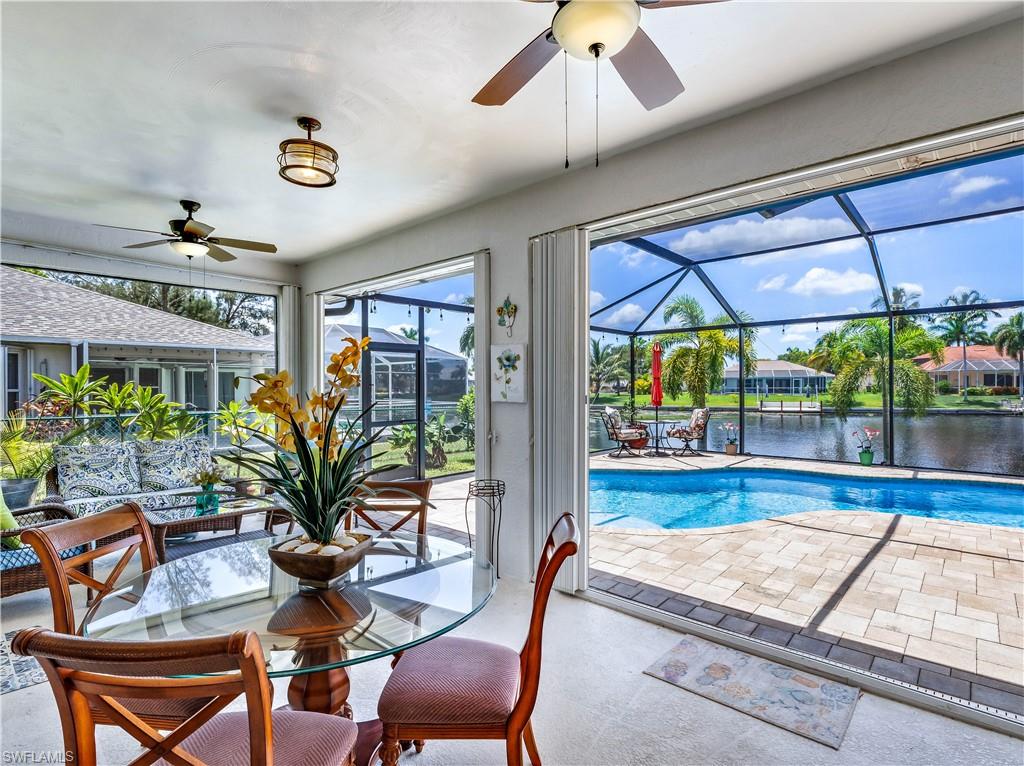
x: 172, y: 521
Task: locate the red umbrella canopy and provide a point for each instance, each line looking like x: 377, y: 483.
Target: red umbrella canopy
x: 656, y: 393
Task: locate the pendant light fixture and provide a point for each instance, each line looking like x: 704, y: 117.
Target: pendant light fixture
x: 307, y: 162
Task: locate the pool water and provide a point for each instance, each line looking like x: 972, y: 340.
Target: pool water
x: 716, y: 497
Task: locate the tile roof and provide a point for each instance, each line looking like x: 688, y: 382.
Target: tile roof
x: 39, y: 308
x: 979, y: 357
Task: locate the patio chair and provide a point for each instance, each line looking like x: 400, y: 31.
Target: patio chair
x: 88, y: 677
x: 394, y: 497
x: 695, y: 430
x: 624, y: 434
x: 460, y: 688
x: 20, y: 568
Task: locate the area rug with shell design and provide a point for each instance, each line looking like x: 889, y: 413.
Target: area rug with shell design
x: 803, y: 703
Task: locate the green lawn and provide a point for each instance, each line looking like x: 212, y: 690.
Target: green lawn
x: 460, y: 459
x: 865, y: 399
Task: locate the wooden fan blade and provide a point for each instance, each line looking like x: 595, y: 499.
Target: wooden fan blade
x: 519, y: 71
x: 198, y: 228
x: 676, y: 3
x: 154, y: 243
x: 219, y: 255
x: 127, y: 228
x: 646, y: 72
x: 244, y: 244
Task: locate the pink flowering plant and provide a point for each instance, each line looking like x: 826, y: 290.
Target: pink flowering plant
x: 732, y: 432
x: 865, y: 436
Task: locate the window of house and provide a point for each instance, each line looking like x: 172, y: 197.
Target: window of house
x: 149, y: 376
x: 117, y: 375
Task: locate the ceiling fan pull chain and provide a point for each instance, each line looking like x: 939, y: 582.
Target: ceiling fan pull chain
x: 565, y: 82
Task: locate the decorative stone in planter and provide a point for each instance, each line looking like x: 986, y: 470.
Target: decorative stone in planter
x: 315, y: 565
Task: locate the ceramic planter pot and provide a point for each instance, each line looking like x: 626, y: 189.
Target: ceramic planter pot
x: 867, y: 457
x: 18, y: 492
x: 638, y: 443
x: 731, y: 448
x: 316, y: 572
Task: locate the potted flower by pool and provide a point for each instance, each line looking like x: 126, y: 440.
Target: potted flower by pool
x: 317, y: 466
x: 865, y: 437
x: 732, y: 435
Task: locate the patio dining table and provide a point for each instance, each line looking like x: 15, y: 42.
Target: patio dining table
x: 407, y: 590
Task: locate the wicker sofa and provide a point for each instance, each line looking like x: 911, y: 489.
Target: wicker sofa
x: 20, y: 569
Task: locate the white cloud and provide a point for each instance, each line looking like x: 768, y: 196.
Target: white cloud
x: 596, y: 299
x: 910, y: 287
x: 821, y: 281
x: 746, y: 235
x: 397, y: 328
x: 960, y: 289
x: 459, y: 298
x: 796, y: 337
x: 629, y: 313
x: 973, y: 185
x: 814, y: 251
x: 772, y: 283
x: 629, y: 256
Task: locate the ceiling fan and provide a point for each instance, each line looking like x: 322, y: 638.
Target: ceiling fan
x: 590, y: 29
x: 190, y: 237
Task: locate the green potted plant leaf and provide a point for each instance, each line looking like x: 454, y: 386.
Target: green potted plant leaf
x: 23, y: 462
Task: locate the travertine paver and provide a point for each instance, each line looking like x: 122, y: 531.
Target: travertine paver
x: 909, y: 594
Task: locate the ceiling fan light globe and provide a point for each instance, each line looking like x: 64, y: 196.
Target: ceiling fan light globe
x: 190, y: 249
x: 581, y: 24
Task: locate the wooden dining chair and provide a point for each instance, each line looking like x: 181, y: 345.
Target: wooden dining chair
x: 409, y: 497
x: 122, y: 528
x: 87, y: 675
x: 460, y: 688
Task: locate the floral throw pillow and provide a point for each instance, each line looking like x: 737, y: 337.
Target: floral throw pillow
x: 97, y: 470
x: 171, y: 464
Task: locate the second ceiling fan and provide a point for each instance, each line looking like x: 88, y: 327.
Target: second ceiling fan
x: 591, y: 29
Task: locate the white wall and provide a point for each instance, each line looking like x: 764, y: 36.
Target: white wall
x: 970, y: 80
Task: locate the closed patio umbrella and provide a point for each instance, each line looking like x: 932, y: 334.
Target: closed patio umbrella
x: 656, y: 396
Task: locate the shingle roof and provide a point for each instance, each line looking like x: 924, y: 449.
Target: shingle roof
x: 780, y: 368
x: 40, y: 308
x: 980, y: 357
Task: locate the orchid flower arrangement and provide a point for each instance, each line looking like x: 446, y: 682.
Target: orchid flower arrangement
x: 865, y: 436
x: 732, y: 432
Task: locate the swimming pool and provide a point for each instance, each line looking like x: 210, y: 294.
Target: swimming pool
x: 716, y: 497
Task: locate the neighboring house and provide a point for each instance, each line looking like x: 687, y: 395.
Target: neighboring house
x: 51, y: 327
x: 394, y: 370
x: 775, y: 376
x: 985, y: 367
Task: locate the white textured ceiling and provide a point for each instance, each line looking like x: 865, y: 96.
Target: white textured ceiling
x: 114, y: 111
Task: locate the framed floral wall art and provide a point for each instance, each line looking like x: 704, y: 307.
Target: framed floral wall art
x: 508, y: 372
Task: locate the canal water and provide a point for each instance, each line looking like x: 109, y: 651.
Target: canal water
x: 984, y: 443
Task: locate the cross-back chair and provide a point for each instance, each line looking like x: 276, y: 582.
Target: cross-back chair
x: 459, y: 688
x: 411, y: 498
x: 87, y: 675
x: 122, y: 528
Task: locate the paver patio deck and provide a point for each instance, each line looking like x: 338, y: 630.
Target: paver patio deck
x: 929, y: 602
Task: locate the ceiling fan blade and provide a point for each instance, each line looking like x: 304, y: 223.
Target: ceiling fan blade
x: 244, y: 244
x: 154, y: 243
x: 198, y: 228
x: 127, y: 228
x: 676, y: 3
x: 519, y: 71
x: 219, y: 255
x: 647, y: 72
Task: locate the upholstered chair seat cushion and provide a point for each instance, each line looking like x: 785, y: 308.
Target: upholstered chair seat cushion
x: 97, y: 470
x: 451, y: 681
x: 165, y: 465
x: 631, y: 433
x: 26, y: 557
x: 300, y: 739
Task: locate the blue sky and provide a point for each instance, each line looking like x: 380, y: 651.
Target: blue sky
x: 801, y: 283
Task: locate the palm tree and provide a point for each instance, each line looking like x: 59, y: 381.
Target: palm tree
x: 696, y: 360
x: 606, y: 364
x: 412, y: 333
x: 467, y: 341
x: 900, y: 298
x: 1008, y: 338
x: 861, y: 351
x: 963, y: 328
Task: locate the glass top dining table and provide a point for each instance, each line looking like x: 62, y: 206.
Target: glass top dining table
x: 407, y: 590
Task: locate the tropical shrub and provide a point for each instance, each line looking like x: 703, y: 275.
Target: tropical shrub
x: 75, y: 392
x: 976, y: 391
x: 403, y: 439
x: 466, y: 410
x: 437, y: 435
x: 943, y: 387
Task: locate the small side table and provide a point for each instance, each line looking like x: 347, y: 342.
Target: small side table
x: 491, y: 491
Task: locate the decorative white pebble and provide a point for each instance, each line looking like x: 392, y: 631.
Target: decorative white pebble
x: 290, y: 545
x: 331, y: 550
x: 307, y: 548
x: 346, y: 541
